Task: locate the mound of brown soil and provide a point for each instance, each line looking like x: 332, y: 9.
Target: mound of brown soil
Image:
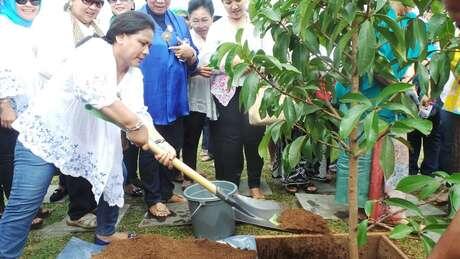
x: 161, y: 247
x: 302, y: 221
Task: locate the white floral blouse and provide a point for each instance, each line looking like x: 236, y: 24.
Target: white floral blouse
x: 18, y: 68
x: 57, y: 128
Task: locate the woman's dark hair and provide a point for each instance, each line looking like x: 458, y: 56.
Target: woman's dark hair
x: 128, y: 23
x: 195, y: 4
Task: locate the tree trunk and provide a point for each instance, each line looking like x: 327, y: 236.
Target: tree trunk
x: 353, y: 166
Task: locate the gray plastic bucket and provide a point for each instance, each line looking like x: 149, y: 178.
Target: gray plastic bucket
x: 212, y: 218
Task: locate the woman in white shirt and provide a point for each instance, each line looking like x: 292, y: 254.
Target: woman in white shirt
x: 58, y: 35
x: 231, y: 133
x: 18, y: 81
x: 201, y: 104
x: 62, y: 133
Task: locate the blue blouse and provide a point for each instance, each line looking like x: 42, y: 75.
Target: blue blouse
x: 165, y: 77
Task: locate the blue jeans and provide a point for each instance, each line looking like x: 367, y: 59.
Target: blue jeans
x: 32, y: 176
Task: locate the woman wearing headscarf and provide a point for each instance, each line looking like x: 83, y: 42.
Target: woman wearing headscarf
x: 70, y: 26
x: 172, y: 59
x: 102, y: 74
x: 17, y: 80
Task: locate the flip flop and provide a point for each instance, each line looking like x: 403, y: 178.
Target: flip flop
x: 150, y: 215
x: 98, y: 241
x: 43, y: 213
x: 37, y: 222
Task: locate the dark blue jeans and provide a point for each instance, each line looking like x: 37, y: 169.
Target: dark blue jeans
x: 32, y: 176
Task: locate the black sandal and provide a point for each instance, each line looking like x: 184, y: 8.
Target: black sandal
x: 150, y: 215
x: 291, y: 189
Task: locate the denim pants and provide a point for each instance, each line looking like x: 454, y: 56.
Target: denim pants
x: 32, y: 176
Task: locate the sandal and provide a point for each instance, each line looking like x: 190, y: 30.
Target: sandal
x: 291, y: 189
x: 133, y: 190
x: 37, y: 222
x: 256, y: 193
x: 43, y: 213
x: 185, y: 184
x: 58, y: 194
x: 160, y: 214
x: 176, y: 198
x: 102, y: 242
x: 88, y: 221
x: 310, y: 188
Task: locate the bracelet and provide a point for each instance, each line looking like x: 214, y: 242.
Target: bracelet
x: 138, y: 125
x: 159, y: 141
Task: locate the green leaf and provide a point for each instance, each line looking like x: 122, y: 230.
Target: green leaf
x: 397, y: 107
x: 295, y: 151
x: 387, y: 157
x: 369, y: 207
x: 391, y: 90
x: 423, y: 78
x: 351, y: 117
x: 238, y: 35
x: 437, y: 227
x: 428, y: 244
x: 453, y: 178
x: 439, y: 71
x: 362, y: 233
x: 435, y: 24
x: 441, y: 174
x: 401, y: 231
x: 249, y: 91
x: 263, y: 146
x: 355, y: 97
x: 289, y: 111
x: 429, y: 189
x: 424, y: 126
x: 380, y: 5
x: 454, y: 196
x: 413, y: 183
x: 271, y: 14
x: 371, y: 129
x: 405, y: 204
x: 281, y: 46
x: 238, y: 72
x: 366, y: 47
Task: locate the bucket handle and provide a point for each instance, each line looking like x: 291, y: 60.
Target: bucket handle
x: 196, y: 210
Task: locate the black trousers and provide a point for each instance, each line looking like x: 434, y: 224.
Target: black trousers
x: 8, y: 139
x: 81, y: 198
x: 157, y: 179
x: 130, y: 158
x: 232, y: 135
x: 449, y: 158
x: 431, y: 148
x: 193, y: 125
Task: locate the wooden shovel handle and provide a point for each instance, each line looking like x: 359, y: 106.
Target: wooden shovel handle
x: 181, y: 166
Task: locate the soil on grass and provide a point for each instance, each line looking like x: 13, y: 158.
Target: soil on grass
x: 161, y: 247
x: 302, y: 221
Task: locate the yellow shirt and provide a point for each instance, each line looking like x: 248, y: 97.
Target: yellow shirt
x: 452, y: 101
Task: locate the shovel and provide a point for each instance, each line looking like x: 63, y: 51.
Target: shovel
x: 252, y: 211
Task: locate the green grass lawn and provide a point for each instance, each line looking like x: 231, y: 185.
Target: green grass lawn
x: 49, y: 247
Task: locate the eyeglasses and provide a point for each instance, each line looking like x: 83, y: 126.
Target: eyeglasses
x: 115, y: 1
x: 98, y: 3
x: 32, y: 2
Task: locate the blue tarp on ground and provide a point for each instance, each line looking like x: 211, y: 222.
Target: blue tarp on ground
x: 79, y: 249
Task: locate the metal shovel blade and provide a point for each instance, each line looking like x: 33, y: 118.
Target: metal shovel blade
x: 256, y: 212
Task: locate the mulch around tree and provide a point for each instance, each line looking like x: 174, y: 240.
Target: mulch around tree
x: 161, y: 247
x: 302, y: 221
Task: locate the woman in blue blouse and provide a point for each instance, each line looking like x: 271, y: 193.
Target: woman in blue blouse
x: 172, y: 58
